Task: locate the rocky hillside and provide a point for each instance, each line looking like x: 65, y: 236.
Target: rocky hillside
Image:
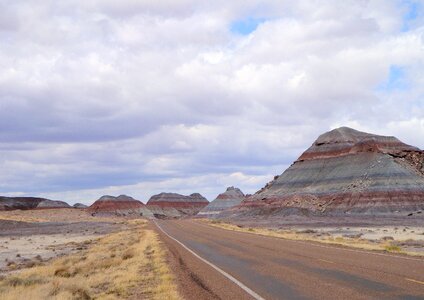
x: 79, y: 205
x: 231, y: 197
x: 121, y: 206
x: 346, y: 172
x: 173, y: 205
x: 24, y: 203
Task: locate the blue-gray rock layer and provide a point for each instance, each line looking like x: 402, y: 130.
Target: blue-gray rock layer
x: 230, y: 198
x: 346, y: 172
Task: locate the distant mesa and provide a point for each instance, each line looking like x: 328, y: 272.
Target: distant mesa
x: 120, y: 206
x: 79, y: 205
x: 345, y: 172
x: 25, y: 203
x: 231, y: 197
x: 52, y: 204
x: 173, y: 205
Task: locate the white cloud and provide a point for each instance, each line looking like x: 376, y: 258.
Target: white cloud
x: 140, y: 96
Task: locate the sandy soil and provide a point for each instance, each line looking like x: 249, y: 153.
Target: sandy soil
x: 28, y: 238
x: 409, y: 239
x: 26, y: 251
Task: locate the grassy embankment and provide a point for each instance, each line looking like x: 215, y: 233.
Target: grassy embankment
x: 310, y: 235
x: 127, y: 264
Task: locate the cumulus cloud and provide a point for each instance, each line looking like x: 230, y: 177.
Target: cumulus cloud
x: 143, y: 96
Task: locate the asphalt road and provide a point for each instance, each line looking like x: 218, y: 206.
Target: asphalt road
x: 273, y: 268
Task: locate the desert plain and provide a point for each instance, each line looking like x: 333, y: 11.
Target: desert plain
x: 67, y: 253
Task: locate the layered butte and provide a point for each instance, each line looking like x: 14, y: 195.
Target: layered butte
x: 231, y: 197
x: 79, y: 205
x: 346, y: 172
x: 24, y: 203
x: 120, y: 206
x: 173, y: 205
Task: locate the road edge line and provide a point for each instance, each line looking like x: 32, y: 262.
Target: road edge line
x: 231, y: 278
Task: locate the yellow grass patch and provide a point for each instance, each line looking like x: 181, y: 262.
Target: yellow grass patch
x: 20, y: 217
x: 54, y: 215
x: 128, y: 264
x: 295, y: 235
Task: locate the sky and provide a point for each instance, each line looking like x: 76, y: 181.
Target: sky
x: 140, y: 97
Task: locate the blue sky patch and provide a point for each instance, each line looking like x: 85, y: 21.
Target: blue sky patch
x: 245, y: 26
x: 396, y: 80
x: 411, y: 15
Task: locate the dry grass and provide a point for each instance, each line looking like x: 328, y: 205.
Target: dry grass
x: 21, y: 217
x: 393, y: 248
x: 355, y: 242
x: 128, y: 264
x: 53, y: 215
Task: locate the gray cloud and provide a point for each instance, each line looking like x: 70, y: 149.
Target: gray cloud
x: 145, y: 96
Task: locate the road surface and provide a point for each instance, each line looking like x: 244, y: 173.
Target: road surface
x: 206, y: 259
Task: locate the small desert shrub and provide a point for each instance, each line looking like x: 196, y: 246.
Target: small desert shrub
x: 410, y: 242
x: 78, y: 292
x: 30, y: 264
x: 10, y: 263
x: 15, y: 281
x: 62, y: 272
x: 55, y: 288
x: 307, y: 231
x: 251, y: 229
x: 38, y: 257
x: 353, y: 236
x: 28, y: 281
x: 392, y: 248
x: 104, y: 263
x: 149, y: 251
x: 128, y: 254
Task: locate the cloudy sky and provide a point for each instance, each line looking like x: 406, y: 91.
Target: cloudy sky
x: 138, y: 97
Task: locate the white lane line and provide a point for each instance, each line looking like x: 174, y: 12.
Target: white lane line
x: 316, y: 244
x: 241, y: 285
x: 416, y: 281
x: 327, y: 261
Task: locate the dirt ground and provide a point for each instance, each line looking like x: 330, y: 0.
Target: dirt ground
x: 63, y: 215
x: 409, y: 238
x: 405, y: 233
x: 89, y: 258
x: 31, y: 237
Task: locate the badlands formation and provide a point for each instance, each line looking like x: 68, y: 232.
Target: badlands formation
x: 231, y: 197
x: 24, y: 203
x: 173, y: 205
x: 120, y: 206
x: 345, y: 172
